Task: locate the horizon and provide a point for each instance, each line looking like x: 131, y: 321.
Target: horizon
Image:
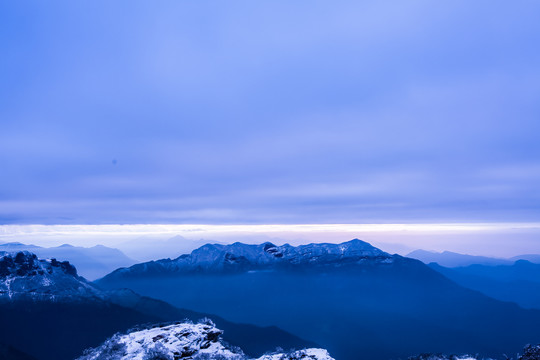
x: 484, y: 239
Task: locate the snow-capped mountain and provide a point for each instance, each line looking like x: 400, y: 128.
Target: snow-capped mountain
x: 239, y: 257
x: 24, y: 276
x: 183, y: 341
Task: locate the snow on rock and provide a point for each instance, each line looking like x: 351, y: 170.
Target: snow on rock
x: 183, y: 341
x: 239, y: 257
x: 24, y: 276
x: 307, y: 354
x: 442, y: 357
x: 531, y: 352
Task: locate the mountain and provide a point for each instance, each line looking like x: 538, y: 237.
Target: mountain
x: 452, y: 259
x: 50, y: 312
x: 183, y: 340
x: 146, y: 248
x: 519, y: 282
x: 534, y: 258
x: 24, y: 277
x: 238, y: 257
x: 350, y: 298
x: 92, y: 263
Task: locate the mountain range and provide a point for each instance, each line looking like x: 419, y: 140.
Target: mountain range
x: 350, y: 298
x: 51, y: 313
x: 453, y: 259
x: 516, y: 279
x: 518, y: 282
x: 239, y: 257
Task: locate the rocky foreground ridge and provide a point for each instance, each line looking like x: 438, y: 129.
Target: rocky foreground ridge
x: 183, y: 341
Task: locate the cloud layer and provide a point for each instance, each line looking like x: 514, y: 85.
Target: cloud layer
x: 269, y: 112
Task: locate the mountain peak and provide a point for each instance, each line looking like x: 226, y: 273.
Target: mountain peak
x: 357, y: 244
x: 23, y: 275
x: 25, y: 263
x: 241, y: 256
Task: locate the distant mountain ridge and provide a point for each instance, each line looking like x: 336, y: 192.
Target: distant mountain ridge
x: 239, y: 257
x: 534, y: 258
x: 516, y: 279
x: 518, y: 282
x: 147, y: 248
x: 453, y: 259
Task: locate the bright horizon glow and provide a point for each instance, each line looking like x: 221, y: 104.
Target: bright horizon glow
x: 144, y: 229
x: 489, y: 239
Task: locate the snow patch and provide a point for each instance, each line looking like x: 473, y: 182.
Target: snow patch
x: 184, y: 341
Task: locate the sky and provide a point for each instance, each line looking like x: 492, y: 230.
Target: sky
x: 269, y: 112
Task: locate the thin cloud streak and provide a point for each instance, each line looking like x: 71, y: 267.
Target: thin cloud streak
x: 145, y: 229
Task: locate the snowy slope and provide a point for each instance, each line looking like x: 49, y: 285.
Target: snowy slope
x: 183, y: 341
x: 24, y: 276
x: 92, y: 263
x: 442, y: 357
x: 239, y: 257
x: 308, y: 354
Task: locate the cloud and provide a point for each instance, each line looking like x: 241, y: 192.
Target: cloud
x: 269, y: 112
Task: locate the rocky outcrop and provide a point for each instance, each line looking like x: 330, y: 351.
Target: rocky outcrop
x: 184, y: 341
x: 24, y: 276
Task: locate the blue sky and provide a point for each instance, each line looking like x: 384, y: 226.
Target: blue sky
x: 259, y: 112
